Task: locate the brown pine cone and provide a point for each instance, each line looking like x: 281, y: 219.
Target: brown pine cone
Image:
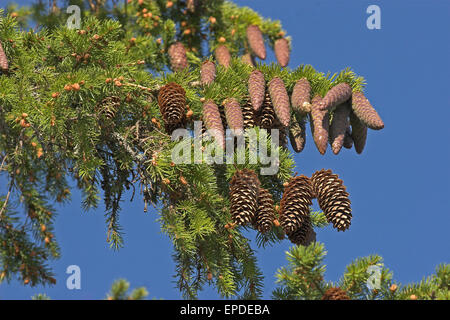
x: 340, y: 93
x: 304, y: 235
x: 244, y: 193
x: 248, y: 114
x: 365, y: 112
x: 359, y: 133
x: 213, y: 122
x: 266, y: 115
x: 333, y: 198
x: 319, y: 125
x: 282, y: 51
x: 294, y: 206
x: 301, y: 97
x: 3, y: 59
x: 265, y: 214
x: 256, y: 41
x: 297, y: 135
x: 178, y: 58
x: 335, y: 294
x: 223, y: 56
x: 348, y: 141
x: 339, y: 126
x: 208, y: 72
x: 233, y: 114
x: 256, y: 88
x: 172, y: 104
x: 280, y: 100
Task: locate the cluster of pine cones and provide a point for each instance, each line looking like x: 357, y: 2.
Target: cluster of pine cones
x: 251, y: 204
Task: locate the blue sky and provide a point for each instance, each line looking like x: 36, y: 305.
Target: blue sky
x: 399, y: 186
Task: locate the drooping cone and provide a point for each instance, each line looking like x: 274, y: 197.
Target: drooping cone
x: 294, y: 206
x: 365, y: 112
x: 3, y: 59
x: 233, y: 114
x: 248, y: 59
x: 177, y: 54
x: 172, y: 103
x: 248, y: 115
x: 213, y: 121
x: 280, y: 100
x: 304, y: 235
x: 223, y: 56
x: 335, y: 294
x: 348, y: 141
x: 244, y: 193
x: 333, y: 198
x: 339, y: 126
x: 340, y: 93
x: 359, y: 133
x: 297, y: 135
x: 266, y: 115
x: 256, y: 41
x: 301, y: 96
x: 319, y: 125
x: 265, y: 214
x: 282, y: 51
x: 256, y: 88
x: 208, y: 72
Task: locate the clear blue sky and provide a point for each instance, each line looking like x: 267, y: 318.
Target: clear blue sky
x: 399, y: 186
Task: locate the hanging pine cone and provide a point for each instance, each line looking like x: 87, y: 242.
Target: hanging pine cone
x: 208, y: 72
x: 256, y: 41
x: 213, y: 121
x: 340, y: 93
x: 256, y: 88
x: 301, y: 97
x: 365, y: 112
x: 359, y: 133
x: 244, y: 193
x: 266, y: 115
x: 265, y: 214
x: 248, y: 115
x: 319, y: 125
x: 223, y: 56
x: 294, y: 206
x: 233, y: 113
x: 172, y: 104
x: 280, y: 100
x: 348, y: 141
x: 304, y: 235
x: 177, y: 54
x: 3, y: 59
x: 332, y: 198
x: 335, y: 294
x: 282, y: 51
x: 297, y: 135
x: 339, y: 126
x: 248, y: 59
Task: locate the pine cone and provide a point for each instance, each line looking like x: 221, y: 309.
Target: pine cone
x: 266, y: 115
x: 359, y: 133
x: 213, y: 121
x: 339, y: 126
x: 333, y: 199
x: 256, y: 89
x: 248, y: 114
x: 233, y: 114
x: 294, y: 206
x: 282, y: 51
x: 256, y: 41
x: 335, y: 294
x: 3, y: 59
x: 244, y: 193
x: 280, y: 100
x: 304, y: 235
x: 265, y: 214
x: 348, y: 141
x: 208, y: 72
x: 297, y: 135
x: 301, y: 97
x: 248, y: 59
x: 365, y: 112
x: 319, y: 125
x: 223, y: 56
x: 172, y: 104
x: 177, y: 54
x: 340, y: 93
